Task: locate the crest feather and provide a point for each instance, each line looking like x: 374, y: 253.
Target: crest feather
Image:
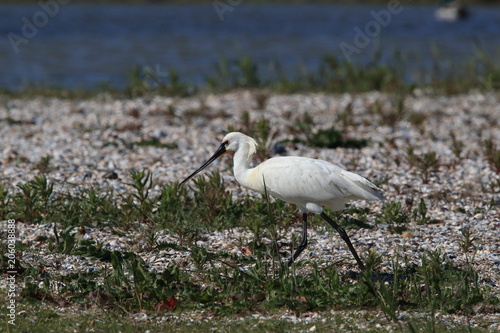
x: 252, y: 146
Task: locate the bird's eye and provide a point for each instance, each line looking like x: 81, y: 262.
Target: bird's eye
x: 225, y: 143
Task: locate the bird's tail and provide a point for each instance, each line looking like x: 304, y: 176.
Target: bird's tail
x: 364, y: 189
x: 370, y: 191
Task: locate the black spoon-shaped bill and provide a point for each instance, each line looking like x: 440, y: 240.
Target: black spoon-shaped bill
x: 221, y: 151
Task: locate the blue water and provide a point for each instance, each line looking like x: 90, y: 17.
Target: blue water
x: 84, y: 45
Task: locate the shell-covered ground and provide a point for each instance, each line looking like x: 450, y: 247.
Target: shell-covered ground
x: 89, y: 139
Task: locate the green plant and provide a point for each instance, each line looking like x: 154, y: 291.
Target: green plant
x: 393, y: 215
x: 302, y: 126
x: 411, y: 158
x: 260, y: 99
x: 249, y: 73
x: 456, y: 145
x: 175, y: 87
x: 144, y: 81
x: 427, y: 163
x: 447, y: 288
x: 65, y: 240
x: 323, y: 138
x: 272, y: 218
x: 175, y: 212
x: 346, y: 117
x: 93, y: 207
x: 492, y: 154
x: 418, y: 119
x: 4, y: 201
x: 34, y: 200
x: 154, y: 142
x: 43, y: 165
x: 420, y: 213
x: 467, y: 242
x: 142, y: 183
x: 396, y: 112
x: 209, y: 207
x: 214, y: 200
x: 242, y: 73
x: 352, y: 217
x: 435, y: 285
x: 385, y: 295
x: 331, y: 138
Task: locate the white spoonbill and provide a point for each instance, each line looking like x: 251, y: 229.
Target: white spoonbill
x: 308, y: 183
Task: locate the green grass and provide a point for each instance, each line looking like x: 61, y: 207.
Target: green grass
x: 223, y: 285
x: 492, y: 154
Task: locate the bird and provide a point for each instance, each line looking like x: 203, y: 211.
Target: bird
x: 451, y: 11
x: 310, y: 184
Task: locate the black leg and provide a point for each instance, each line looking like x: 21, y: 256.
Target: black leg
x: 346, y: 239
x: 303, y: 242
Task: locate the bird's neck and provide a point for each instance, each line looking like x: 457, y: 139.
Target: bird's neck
x: 242, y: 166
x: 242, y: 159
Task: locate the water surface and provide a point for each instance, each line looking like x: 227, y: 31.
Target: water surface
x: 84, y: 45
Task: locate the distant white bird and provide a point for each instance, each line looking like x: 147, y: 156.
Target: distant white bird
x: 306, y: 182
x: 451, y: 11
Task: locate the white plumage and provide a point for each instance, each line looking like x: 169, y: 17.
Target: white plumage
x: 308, y: 183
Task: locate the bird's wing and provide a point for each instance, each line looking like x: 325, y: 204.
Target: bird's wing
x: 300, y: 179
x: 362, y: 188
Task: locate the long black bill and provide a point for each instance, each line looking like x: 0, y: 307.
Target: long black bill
x: 219, y: 152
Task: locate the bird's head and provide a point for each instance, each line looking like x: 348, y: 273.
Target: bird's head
x: 231, y: 143
x: 235, y: 140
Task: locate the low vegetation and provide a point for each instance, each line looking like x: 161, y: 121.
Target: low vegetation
x: 222, y: 283
x: 332, y: 75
